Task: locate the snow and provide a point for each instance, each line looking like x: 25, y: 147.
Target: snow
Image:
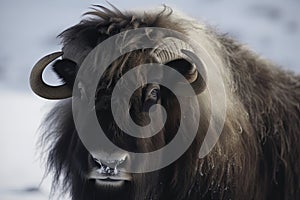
x: 28, y: 32
x: 20, y: 168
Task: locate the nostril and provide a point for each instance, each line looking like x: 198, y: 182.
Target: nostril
x: 96, y: 162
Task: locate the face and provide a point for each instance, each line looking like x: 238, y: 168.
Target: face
x: 107, y: 172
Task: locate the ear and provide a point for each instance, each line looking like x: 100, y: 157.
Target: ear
x: 66, y: 70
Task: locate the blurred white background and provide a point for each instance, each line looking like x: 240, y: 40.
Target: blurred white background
x: 28, y: 31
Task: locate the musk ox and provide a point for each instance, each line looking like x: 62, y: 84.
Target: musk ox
x: 256, y: 157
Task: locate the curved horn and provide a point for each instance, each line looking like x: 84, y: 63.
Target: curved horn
x: 41, y: 88
x: 171, y: 49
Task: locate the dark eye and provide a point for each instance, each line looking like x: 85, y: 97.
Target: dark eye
x: 152, y: 96
x: 154, y: 93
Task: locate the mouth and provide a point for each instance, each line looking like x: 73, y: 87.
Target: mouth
x: 109, y: 182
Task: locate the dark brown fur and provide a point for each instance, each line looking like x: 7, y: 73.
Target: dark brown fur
x: 257, y: 156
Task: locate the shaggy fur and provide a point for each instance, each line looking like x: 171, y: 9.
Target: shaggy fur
x: 257, y: 156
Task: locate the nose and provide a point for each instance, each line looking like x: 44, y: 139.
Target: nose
x: 109, y: 163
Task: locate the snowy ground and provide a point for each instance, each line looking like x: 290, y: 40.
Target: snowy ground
x: 28, y: 30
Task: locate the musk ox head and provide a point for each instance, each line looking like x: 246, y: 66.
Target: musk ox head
x: 234, y: 168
